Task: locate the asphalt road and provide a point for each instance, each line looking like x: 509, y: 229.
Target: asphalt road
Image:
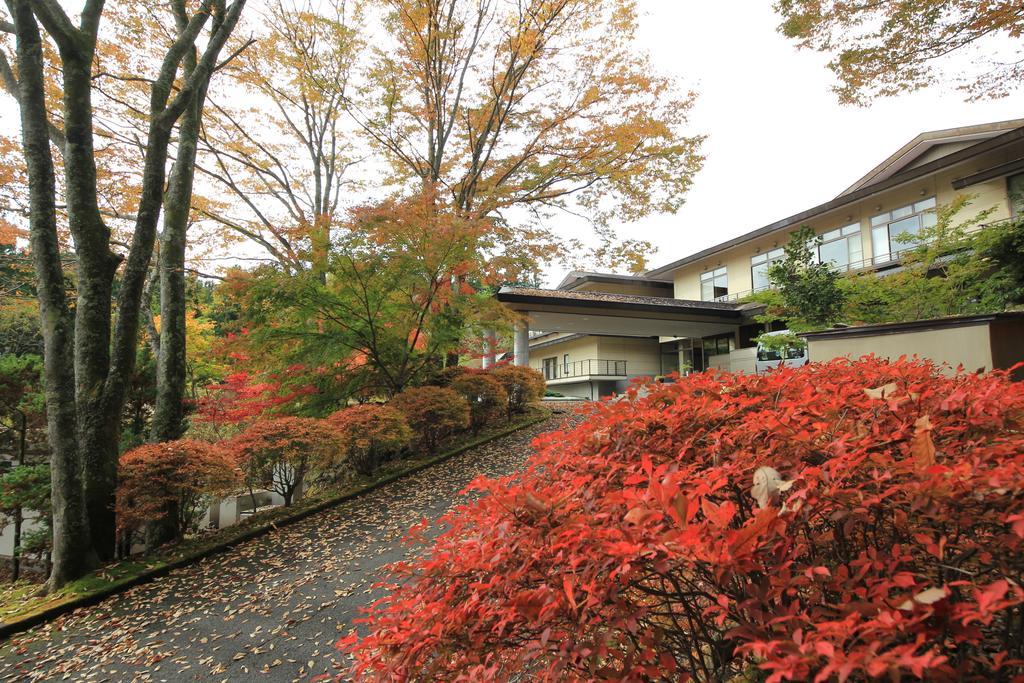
x: 269, y: 609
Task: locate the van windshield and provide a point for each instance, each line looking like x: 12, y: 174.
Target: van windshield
x: 768, y: 354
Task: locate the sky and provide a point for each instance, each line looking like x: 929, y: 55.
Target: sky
x: 778, y: 140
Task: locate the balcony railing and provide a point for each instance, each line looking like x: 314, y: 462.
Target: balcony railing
x: 585, y: 368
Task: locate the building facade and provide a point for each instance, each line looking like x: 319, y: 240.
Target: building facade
x: 594, y: 332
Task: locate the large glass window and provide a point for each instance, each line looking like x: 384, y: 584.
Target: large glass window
x: 714, y: 284
x: 759, y: 266
x: 894, y: 231
x: 841, y: 247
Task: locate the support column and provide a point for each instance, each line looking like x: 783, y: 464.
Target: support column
x: 490, y: 341
x: 521, y: 344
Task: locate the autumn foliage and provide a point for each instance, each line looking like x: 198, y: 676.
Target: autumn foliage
x: 486, y: 397
x: 279, y: 454
x: 370, y: 434
x: 433, y: 412
x: 522, y: 385
x: 846, y: 520
x: 171, y: 483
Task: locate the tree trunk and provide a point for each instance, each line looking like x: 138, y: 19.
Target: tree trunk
x: 72, y: 554
x: 171, y: 371
x: 18, y: 514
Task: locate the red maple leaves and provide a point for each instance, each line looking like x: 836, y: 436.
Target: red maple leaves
x: 884, y: 541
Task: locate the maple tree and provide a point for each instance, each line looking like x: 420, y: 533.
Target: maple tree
x: 485, y: 395
x: 523, y: 385
x: 433, y: 413
x: 165, y: 488
x: 370, y: 434
x: 888, y: 48
x: 242, y: 398
x: 845, y: 520
x: 279, y: 454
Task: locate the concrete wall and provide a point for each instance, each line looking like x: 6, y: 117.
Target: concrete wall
x: 990, y: 194
x: 967, y: 346
x: 580, y: 348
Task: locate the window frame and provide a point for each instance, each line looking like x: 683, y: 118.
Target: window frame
x: 711, y: 276
x: 845, y: 233
x: 766, y: 259
x: 885, y: 220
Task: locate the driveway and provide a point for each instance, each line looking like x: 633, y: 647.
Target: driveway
x: 269, y: 609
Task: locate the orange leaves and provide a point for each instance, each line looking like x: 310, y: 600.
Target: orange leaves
x: 922, y: 448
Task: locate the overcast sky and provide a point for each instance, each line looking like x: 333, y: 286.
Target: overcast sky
x: 778, y: 140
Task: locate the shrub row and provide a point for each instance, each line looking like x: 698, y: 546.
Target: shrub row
x: 165, y: 488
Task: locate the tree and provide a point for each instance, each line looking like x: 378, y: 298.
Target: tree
x: 88, y: 360
x: 433, y: 413
x: 523, y: 386
x: 885, y: 49
x: 806, y: 292
x: 398, y: 283
x: 27, y: 487
x: 165, y: 488
x: 280, y: 453
x: 21, y: 412
x: 371, y: 434
x: 839, y: 521
x: 485, y: 395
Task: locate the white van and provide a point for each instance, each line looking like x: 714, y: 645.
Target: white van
x: 792, y: 356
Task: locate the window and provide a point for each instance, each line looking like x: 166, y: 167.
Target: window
x: 894, y: 231
x: 841, y: 247
x: 721, y: 344
x: 760, y: 264
x: 551, y: 368
x: 565, y: 363
x: 1015, y: 189
x: 713, y: 284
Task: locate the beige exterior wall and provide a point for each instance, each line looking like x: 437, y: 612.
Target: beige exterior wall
x: 578, y: 349
x: 642, y: 356
x: 967, y: 346
x: 991, y: 194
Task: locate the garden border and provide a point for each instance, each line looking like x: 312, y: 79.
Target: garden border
x: 33, y: 619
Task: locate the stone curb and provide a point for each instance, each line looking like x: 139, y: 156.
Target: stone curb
x: 32, y: 619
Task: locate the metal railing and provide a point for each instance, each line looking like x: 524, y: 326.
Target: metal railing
x: 585, y: 368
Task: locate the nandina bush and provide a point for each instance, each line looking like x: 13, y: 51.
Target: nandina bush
x: 370, y: 434
x: 434, y: 413
x: 280, y: 454
x: 523, y: 386
x: 486, y: 397
x: 840, y: 521
x: 165, y: 488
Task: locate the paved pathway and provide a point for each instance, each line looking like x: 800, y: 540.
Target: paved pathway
x: 269, y: 609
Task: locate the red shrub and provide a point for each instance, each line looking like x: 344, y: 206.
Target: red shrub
x: 523, y: 385
x: 278, y: 454
x: 859, y: 520
x: 486, y: 398
x: 432, y: 412
x: 370, y: 434
x: 171, y: 484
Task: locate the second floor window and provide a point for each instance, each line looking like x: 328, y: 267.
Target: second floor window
x: 714, y: 284
x: 759, y: 266
x: 893, y: 231
x: 841, y: 247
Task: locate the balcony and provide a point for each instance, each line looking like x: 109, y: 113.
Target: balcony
x: 583, y: 369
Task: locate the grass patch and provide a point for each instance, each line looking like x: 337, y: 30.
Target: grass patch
x: 21, y: 607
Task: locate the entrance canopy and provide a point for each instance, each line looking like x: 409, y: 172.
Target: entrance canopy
x: 628, y: 315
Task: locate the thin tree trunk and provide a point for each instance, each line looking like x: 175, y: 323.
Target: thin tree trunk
x: 72, y: 554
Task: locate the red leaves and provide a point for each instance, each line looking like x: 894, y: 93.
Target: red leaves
x: 883, y: 540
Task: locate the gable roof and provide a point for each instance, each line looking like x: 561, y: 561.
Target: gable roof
x: 1005, y: 137
x: 954, y: 138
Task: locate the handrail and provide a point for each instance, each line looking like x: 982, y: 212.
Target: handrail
x: 584, y: 368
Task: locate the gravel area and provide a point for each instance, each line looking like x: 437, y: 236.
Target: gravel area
x: 269, y: 609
